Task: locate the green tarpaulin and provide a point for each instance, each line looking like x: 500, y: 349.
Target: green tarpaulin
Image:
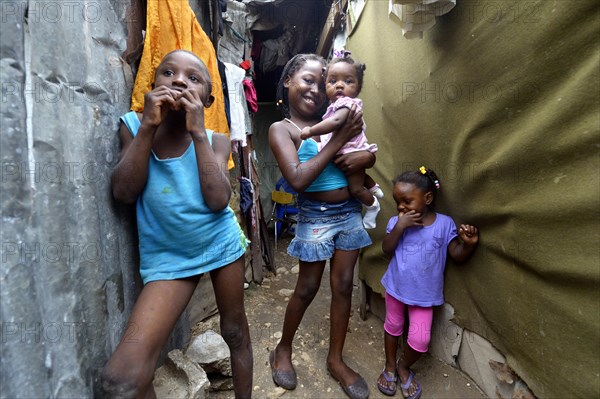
x: 501, y: 99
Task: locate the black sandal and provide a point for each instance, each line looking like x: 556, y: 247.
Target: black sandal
x: 285, y: 379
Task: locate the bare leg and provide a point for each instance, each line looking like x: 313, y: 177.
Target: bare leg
x: 408, y: 358
x: 369, y: 182
x: 307, y: 286
x: 357, y: 189
x: 391, y: 349
x: 228, y: 284
x: 130, y: 370
x: 342, y: 271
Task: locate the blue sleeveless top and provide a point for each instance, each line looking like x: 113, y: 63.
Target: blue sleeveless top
x: 330, y: 178
x: 179, y: 236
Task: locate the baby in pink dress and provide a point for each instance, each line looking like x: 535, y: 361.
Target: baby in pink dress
x: 343, y: 84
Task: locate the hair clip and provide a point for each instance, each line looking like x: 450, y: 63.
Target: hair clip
x: 341, y: 53
x: 435, y: 181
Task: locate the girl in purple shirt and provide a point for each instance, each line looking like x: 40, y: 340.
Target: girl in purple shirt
x: 418, y: 239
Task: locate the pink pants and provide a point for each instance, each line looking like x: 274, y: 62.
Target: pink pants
x: 419, y: 327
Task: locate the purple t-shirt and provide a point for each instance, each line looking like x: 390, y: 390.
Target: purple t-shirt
x: 415, y: 275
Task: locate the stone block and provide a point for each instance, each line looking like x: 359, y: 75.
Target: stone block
x: 509, y: 384
x: 211, y: 352
x: 220, y: 383
x: 446, y: 335
x: 474, y: 359
x: 180, y: 378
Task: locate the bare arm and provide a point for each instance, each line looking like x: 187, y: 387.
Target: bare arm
x: 328, y: 125
x: 353, y: 161
x: 131, y: 173
x: 212, y: 169
x: 460, y: 249
x: 301, y: 175
x: 211, y: 159
x: 405, y: 221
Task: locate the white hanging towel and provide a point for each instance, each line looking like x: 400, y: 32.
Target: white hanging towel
x: 237, y: 99
x: 416, y: 16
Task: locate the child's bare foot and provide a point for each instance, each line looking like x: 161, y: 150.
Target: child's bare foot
x: 410, y: 388
x: 387, y: 383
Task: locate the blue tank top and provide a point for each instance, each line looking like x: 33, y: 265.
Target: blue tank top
x: 179, y: 236
x: 330, y: 179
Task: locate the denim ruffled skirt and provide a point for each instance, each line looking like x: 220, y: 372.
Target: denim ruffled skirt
x: 324, y: 227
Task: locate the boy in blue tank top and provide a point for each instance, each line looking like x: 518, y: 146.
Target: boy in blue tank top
x: 175, y: 171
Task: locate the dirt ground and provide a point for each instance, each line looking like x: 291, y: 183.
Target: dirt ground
x: 363, y: 351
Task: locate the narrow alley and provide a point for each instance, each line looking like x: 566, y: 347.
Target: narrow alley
x: 265, y: 307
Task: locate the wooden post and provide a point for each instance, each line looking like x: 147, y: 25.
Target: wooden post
x: 253, y: 225
x: 331, y: 26
x: 214, y: 21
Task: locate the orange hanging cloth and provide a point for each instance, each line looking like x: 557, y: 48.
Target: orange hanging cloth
x: 172, y: 25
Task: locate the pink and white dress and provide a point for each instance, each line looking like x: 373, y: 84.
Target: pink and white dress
x: 358, y: 142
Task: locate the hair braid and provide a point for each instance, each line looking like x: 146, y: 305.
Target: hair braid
x: 360, y: 68
x: 424, y: 179
x: 291, y: 67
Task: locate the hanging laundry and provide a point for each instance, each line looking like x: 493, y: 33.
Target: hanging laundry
x: 246, y: 65
x: 276, y: 52
x: 223, y: 75
x: 222, y: 7
x: 250, y: 92
x: 417, y: 16
x: 246, y: 194
x: 172, y: 25
x: 237, y: 112
x: 236, y: 41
